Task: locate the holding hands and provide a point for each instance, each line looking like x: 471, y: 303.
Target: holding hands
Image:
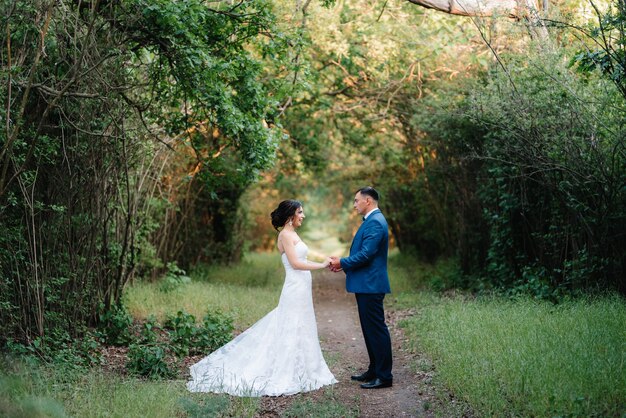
x: 334, y: 264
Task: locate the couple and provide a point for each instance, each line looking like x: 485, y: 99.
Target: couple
x: 281, y: 354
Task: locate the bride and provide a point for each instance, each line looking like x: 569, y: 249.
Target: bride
x: 280, y: 354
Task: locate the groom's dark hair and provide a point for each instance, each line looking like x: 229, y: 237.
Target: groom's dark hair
x: 370, y: 191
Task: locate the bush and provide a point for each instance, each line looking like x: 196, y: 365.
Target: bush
x: 150, y: 331
x: 115, y: 325
x: 182, y: 332
x: 149, y: 360
x: 174, y: 278
x: 217, y: 330
x: 189, y: 338
x: 521, y: 179
x: 66, y: 354
x: 158, y: 347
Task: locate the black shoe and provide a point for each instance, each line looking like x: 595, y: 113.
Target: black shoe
x: 365, y: 377
x: 377, y: 384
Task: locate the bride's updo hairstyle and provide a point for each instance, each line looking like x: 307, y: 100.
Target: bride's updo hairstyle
x: 285, y: 210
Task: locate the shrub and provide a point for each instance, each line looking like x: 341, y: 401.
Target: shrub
x: 182, y: 332
x: 522, y: 179
x: 216, y: 331
x: 149, y: 360
x: 174, y: 278
x: 189, y: 338
x: 67, y: 355
x: 115, y: 325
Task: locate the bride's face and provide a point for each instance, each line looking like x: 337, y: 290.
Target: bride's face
x: 298, y: 217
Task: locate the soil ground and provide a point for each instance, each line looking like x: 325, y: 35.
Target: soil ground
x: 344, y: 349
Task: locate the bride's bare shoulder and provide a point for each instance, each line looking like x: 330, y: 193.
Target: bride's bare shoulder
x: 288, y: 237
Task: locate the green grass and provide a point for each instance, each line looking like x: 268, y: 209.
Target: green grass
x: 502, y: 357
x: 326, y: 407
x: 42, y: 391
x: 526, y: 358
x: 39, y: 390
x: 98, y: 395
x: 407, y: 274
x: 248, y: 291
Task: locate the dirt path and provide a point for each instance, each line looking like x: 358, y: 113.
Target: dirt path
x: 345, y: 353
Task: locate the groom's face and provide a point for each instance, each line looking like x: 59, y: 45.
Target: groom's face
x: 360, y: 203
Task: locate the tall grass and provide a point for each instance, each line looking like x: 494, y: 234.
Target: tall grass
x: 36, y: 390
x: 247, y: 290
x: 528, y: 358
x: 44, y: 391
x: 98, y: 395
x: 408, y: 274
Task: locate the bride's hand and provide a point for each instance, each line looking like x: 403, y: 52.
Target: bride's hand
x: 327, y: 262
x: 335, y: 265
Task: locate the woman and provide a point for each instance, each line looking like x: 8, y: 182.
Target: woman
x: 280, y: 354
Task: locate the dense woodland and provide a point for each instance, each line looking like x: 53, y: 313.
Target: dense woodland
x: 141, y: 136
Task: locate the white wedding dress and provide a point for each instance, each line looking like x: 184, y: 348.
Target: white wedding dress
x: 278, y: 355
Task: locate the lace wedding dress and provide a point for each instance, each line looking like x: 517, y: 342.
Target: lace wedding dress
x: 278, y: 355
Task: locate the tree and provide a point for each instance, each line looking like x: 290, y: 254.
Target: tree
x: 607, y: 50
x: 95, y: 94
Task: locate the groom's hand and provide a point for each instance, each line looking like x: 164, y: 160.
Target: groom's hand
x: 335, y: 264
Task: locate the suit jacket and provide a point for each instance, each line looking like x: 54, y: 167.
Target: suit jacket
x: 366, y: 267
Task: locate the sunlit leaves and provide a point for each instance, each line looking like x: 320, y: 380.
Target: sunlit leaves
x: 607, y: 50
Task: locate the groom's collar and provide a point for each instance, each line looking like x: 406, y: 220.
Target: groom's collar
x: 369, y: 213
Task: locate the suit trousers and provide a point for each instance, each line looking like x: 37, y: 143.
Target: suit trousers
x: 375, y: 333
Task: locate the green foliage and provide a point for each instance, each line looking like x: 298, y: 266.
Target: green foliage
x: 153, y: 352
x: 44, y: 390
x: 150, y: 331
x: 408, y: 274
x: 524, y: 357
x: 513, y: 164
x: 68, y: 355
x: 551, y: 196
x: 420, y: 222
x: 149, y: 360
x: 607, y: 52
x: 217, y: 330
x: 210, y: 406
x: 174, y: 278
x: 115, y: 325
x: 520, y: 179
x: 82, y: 183
x: 189, y: 338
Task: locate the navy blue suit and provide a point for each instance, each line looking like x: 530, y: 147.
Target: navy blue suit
x: 367, y: 278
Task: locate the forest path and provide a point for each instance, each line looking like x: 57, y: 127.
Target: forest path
x: 345, y: 353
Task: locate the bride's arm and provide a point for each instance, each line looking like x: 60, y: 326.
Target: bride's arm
x: 292, y: 256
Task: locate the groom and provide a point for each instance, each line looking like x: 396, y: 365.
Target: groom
x: 366, y: 277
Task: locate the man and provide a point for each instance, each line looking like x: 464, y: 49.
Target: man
x: 367, y: 278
